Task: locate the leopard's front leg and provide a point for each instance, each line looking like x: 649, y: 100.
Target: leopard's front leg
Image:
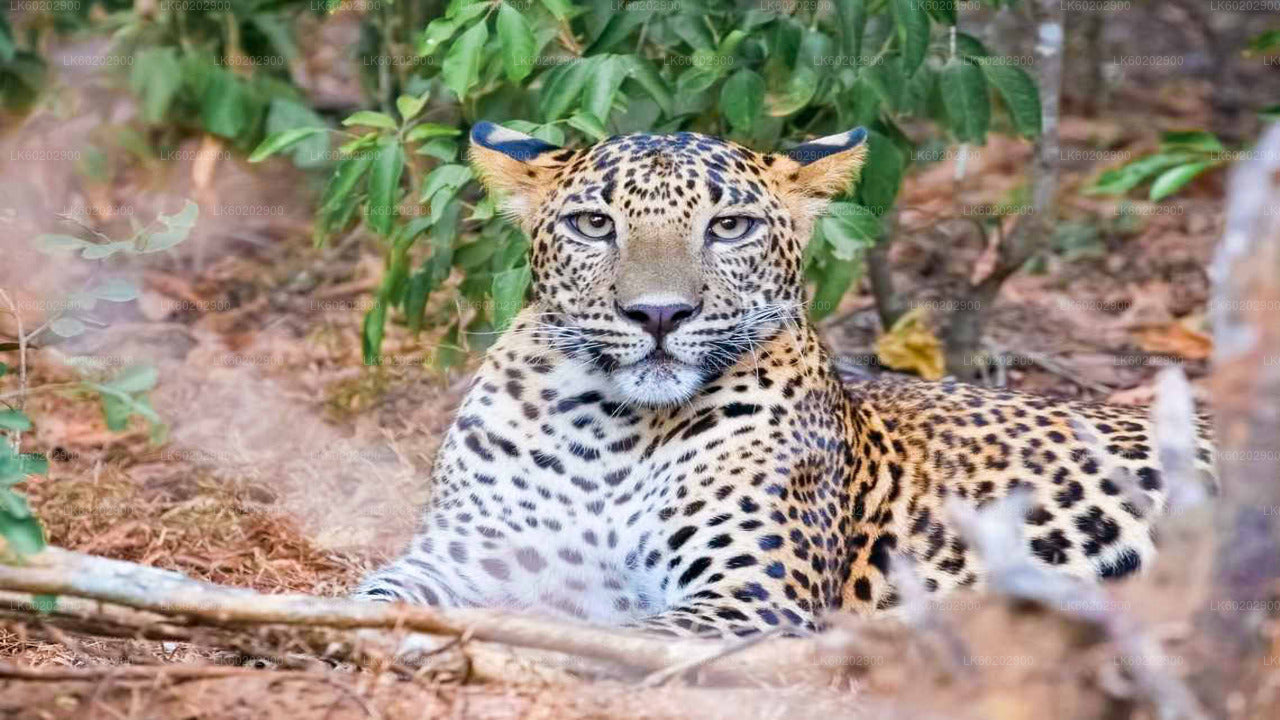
x: 727, y: 617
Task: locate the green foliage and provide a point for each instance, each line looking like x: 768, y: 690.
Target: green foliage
x: 199, y: 67
x: 22, y: 71
x: 1182, y: 157
x: 580, y: 71
x: 121, y: 395
x: 18, y: 526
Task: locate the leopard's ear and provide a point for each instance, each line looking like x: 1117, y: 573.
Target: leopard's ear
x: 514, y: 167
x: 825, y: 167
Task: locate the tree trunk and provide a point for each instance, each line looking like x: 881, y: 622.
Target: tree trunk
x: 1245, y: 310
x: 1030, y: 234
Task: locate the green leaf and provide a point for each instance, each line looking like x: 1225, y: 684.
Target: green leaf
x: 7, y: 49
x: 340, y: 198
x: 619, y: 26
x: 409, y: 106
x: 384, y: 186
x: 447, y: 178
x: 426, y: 131
x: 849, y: 229
x: 14, y: 420
x: 98, y: 252
x: 852, y: 16
x: 4, y: 369
x: 465, y: 11
x: 134, y: 379
x: 607, y: 73
x: 644, y: 73
x: 482, y: 210
x: 562, y: 9
x: 24, y: 534
x: 449, y: 352
x: 1121, y: 180
x: 44, y: 604
x: 156, y: 77
x: 518, y: 44
x: 1194, y: 140
x: 115, y: 412
x: 729, y: 45
x: 696, y: 79
x: 964, y: 94
x: 1263, y: 43
x: 913, y: 32
x: 441, y: 148
x: 15, y: 468
x: 285, y: 114
x: 359, y: 144
x: 1019, y: 92
x: 435, y: 34
x: 970, y: 47
x: 54, y: 243
x: 67, y: 327
x: 799, y: 90
x: 370, y: 118
x: 226, y: 108
x: 589, y: 125
x: 1171, y: 181
x: 461, y: 67
x: 881, y: 175
x: 550, y: 133
x: 944, y: 11
x: 176, y: 229
x: 742, y: 100
x: 371, y: 330
x: 115, y: 290
x: 277, y: 142
x: 562, y: 89
x: 508, y: 294
x: 887, y: 80
x: 833, y: 281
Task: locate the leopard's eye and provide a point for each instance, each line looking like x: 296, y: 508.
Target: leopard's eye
x: 733, y: 227
x: 596, y: 226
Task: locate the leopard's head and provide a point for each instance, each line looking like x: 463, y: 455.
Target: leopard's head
x: 663, y: 259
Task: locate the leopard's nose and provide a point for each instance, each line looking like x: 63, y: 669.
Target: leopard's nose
x: 659, y: 320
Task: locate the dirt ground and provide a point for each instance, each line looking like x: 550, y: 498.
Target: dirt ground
x: 292, y: 467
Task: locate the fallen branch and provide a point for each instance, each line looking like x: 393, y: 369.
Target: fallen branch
x: 169, y: 602
x: 150, y: 673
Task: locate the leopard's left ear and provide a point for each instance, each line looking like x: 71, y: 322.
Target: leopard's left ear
x: 513, y: 166
x: 825, y: 167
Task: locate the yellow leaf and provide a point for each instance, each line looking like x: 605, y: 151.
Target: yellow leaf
x: 1176, y: 338
x: 911, y: 346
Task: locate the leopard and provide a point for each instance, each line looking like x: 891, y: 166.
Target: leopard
x: 662, y: 440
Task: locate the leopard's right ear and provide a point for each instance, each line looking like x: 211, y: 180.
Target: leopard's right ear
x: 514, y: 167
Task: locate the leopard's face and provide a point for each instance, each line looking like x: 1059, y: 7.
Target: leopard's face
x: 662, y: 260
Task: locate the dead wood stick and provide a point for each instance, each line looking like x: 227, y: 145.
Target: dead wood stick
x: 183, y: 601
x: 10, y: 671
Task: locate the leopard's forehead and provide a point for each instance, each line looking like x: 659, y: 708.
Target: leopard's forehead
x: 680, y: 166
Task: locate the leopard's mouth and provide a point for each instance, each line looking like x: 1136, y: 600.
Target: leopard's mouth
x: 659, y: 379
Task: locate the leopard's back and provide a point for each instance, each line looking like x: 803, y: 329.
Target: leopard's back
x: 1092, y: 470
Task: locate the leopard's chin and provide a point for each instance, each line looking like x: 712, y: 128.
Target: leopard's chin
x: 658, y: 380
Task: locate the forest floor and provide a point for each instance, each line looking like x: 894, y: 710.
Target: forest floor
x: 290, y: 466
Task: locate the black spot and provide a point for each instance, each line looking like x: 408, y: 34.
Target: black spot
x: 696, y: 568
x: 1051, y: 548
x: 681, y: 536
x: 862, y: 589
x: 737, y: 409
